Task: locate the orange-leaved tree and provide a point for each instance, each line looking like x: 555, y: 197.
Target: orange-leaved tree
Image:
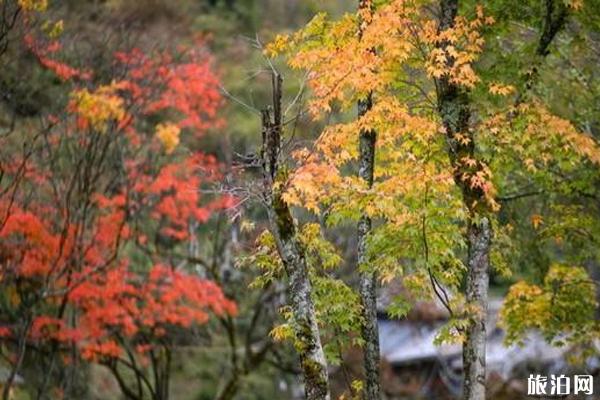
x: 449, y: 145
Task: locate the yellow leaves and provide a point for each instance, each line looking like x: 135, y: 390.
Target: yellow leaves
x: 168, y: 134
x: 478, y: 175
x: 584, y: 145
x: 563, y: 305
x: 536, y: 220
x: 357, y: 386
x: 33, y: 5
x: 469, y: 162
x: 365, y: 13
x: 57, y: 29
x: 97, y: 108
x: 321, y: 254
x: 558, y: 135
x: 386, y: 277
x: 576, y: 5
x: 523, y: 309
x: 500, y: 89
x: 531, y: 136
x: 482, y: 19
x: 277, y: 46
x: 389, y: 29
x: 458, y: 69
x: 247, y: 226
x: 53, y: 29
x: 462, y: 138
x: 342, y: 65
x: 282, y: 332
x: 530, y: 164
x: 437, y: 63
x: 464, y: 75
x: 524, y: 291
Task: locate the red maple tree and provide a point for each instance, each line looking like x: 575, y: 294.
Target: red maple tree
x: 96, y: 204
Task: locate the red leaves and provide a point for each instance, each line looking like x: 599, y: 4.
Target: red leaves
x: 121, y: 305
x: 93, y: 351
x: 175, y: 197
x: 44, y: 52
x: 188, y: 87
x: 176, y: 298
x: 33, y: 247
x: 191, y: 90
x: 96, y: 186
x: 128, y: 303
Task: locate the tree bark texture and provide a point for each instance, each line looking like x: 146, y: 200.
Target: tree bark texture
x: 477, y: 295
x: 367, y: 277
x: 291, y: 251
x: 454, y: 110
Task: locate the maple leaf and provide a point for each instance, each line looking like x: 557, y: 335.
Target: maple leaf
x: 536, y: 220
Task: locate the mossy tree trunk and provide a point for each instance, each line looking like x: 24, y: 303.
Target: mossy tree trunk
x: 367, y: 277
x: 455, y: 113
x: 289, y: 247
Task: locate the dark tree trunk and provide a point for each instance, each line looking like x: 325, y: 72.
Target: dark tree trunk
x: 367, y: 277
x: 554, y: 20
x: 283, y: 228
x: 454, y: 110
x: 555, y: 16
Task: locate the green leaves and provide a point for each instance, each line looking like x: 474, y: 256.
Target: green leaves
x: 264, y: 258
x: 338, y: 311
x: 320, y: 252
x: 399, y: 308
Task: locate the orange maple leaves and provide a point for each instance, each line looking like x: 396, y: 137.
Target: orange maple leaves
x: 132, y: 305
x: 144, y: 305
x: 463, y: 43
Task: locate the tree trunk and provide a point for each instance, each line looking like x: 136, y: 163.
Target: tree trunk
x: 453, y: 107
x: 479, y: 235
x: 283, y: 228
x: 553, y: 21
x: 367, y: 278
x: 454, y: 110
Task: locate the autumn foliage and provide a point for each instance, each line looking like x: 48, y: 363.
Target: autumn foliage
x: 434, y: 150
x: 98, y: 202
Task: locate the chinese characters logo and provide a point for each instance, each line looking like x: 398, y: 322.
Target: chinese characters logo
x: 538, y: 385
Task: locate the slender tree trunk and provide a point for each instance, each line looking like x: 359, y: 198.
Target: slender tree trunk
x: 477, y: 295
x: 367, y: 278
x: 454, y: 110
x: 553, y: 21
x: 555, y: 17
x: 283, y: 228
x: 21, y: 348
